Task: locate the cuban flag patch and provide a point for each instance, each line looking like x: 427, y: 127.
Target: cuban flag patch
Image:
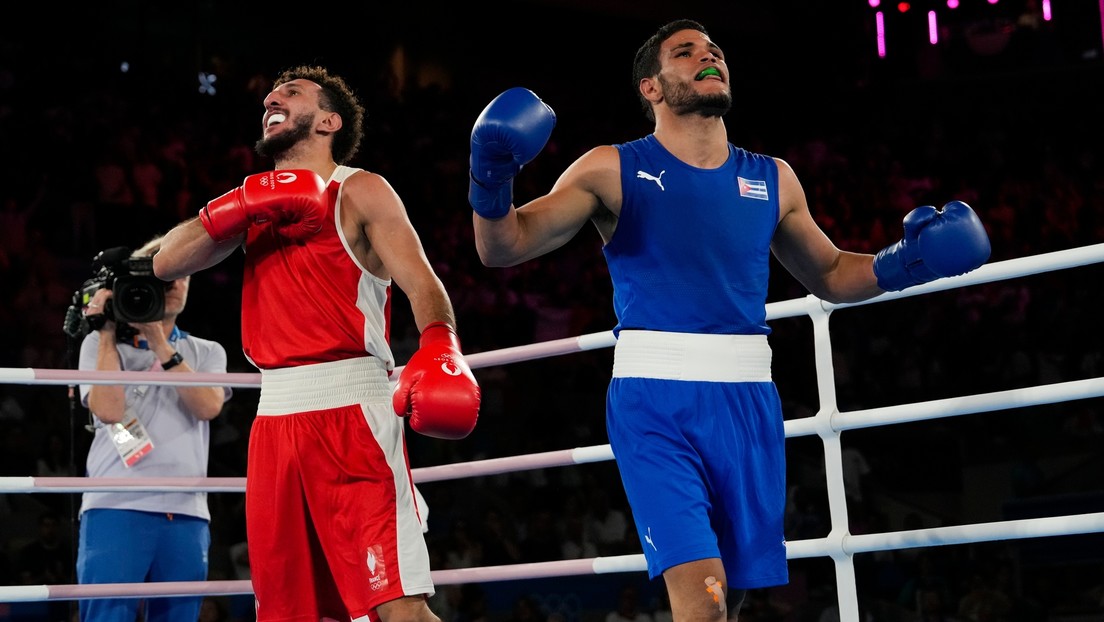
x: 753, y: 188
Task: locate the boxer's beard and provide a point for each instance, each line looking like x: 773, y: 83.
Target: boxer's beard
x: 682, y: 99
x: 279, y: 144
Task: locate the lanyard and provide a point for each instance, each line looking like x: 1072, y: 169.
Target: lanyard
x: 174, y: 336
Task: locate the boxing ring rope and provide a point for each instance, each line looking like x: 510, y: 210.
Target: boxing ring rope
x: 827, y: 423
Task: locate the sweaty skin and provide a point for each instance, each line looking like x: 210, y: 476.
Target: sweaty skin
x: 714, y: 587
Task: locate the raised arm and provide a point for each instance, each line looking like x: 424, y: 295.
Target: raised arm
x: 187, y: 249
x: 509, y: 133
x: 293, y: 200
x: 550, y: 221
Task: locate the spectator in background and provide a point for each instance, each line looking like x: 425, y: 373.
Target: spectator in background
x: 606, y: 525
x: 541, y: 542
x: 855, y: 470
x: 526, y: 609
x: 53, y: 460
x: 499, y: 540
x: 47, y: 560
x: 213, y: 610
x: 628, y: 607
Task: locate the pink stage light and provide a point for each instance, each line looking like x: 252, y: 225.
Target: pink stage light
x: 933, y: 28
x: 879, y: 20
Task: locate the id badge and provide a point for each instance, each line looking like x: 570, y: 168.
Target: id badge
x: 130, y: 439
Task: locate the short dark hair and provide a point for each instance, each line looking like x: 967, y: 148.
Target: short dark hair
x: 337, y: 97
x: 646, y: 63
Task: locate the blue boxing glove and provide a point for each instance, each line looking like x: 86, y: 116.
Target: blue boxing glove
x: 508, y: 134
x: 937, y: 243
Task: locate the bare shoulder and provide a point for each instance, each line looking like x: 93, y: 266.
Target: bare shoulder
x: 787, y: 179
x: 602, y: 157
x: 791, y: 196
x: 597, y: 171
x: 785, y: 171
x: 366, y: 183
x: 369, y: 193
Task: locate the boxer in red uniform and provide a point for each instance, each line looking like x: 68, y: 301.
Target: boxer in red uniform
x: 331, y: 514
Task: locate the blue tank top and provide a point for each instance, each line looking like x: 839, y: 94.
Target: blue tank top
x: 691, y: 252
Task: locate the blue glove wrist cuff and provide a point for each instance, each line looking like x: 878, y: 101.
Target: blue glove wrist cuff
x: 490, y: 203
x: 889, y: 267
x: 895, y: 272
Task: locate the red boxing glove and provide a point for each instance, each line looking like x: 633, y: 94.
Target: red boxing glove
x: 293, y: 200
x: 437, y: 389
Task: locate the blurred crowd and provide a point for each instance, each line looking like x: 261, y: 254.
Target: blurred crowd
x: 110, y: 165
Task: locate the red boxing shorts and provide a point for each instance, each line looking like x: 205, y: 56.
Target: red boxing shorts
x: 331, y: 515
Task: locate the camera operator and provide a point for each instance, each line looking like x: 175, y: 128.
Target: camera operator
x: 146, y: 431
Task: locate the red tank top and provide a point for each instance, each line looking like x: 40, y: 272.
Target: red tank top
x: 310, y: 301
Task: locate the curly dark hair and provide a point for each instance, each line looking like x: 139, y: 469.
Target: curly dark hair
x: 646, y: 63
x: 337, y: 97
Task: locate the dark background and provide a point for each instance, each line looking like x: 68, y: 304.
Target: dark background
x: 1000, y: 113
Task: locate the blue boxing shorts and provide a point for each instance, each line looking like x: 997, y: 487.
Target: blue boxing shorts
x: 695, y: 424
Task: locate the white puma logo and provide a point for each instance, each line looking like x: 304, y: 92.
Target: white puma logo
x: 650, y: 177
x: 648, y: 536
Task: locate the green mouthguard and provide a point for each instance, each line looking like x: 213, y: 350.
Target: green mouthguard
x: 708, y: 71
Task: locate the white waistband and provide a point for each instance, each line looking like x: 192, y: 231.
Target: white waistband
x: 305, y: 388
x: 692, y: 356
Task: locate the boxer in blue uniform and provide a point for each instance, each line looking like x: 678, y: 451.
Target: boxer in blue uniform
x: 689, y: 222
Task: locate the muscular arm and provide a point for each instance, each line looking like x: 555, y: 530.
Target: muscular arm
x: 547, y: 223
x: 382, y: 217
x: 806, y: 252
x: 188, y: 248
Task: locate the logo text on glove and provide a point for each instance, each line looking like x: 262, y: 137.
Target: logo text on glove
x: 449, y: 366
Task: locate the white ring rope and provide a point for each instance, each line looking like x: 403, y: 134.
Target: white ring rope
x: 492, y: 466
x: 814, y: 547
x: 1012, y: 268
x: 828, y: 423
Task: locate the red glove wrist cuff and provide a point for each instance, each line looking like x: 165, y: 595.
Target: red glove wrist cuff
x: 439, y: 331
x: 224, y: 217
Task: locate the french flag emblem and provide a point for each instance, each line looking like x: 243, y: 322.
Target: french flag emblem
x: 753, y: 188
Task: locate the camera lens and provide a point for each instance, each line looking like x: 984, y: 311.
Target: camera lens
x: 138, y: 300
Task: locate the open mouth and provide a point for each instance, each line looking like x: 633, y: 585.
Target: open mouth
x: 708, y: 71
